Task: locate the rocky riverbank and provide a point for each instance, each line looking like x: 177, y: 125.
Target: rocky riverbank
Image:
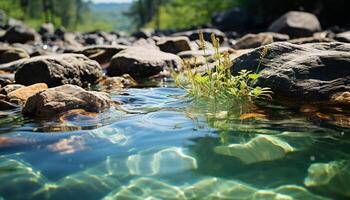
x: 49, y: 72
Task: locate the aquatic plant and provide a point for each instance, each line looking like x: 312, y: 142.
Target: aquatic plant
x: 217, y: 85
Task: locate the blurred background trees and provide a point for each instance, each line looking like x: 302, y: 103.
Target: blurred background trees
x: 84, y: 15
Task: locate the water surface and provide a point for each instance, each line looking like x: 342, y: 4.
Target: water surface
x: 162, y: 145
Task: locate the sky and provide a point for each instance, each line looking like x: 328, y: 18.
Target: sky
x: 111, y: 1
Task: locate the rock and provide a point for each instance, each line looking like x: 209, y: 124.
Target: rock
x: 145, y: 43
x: 10, y: 88
x: 194, y: 34
x: 343, y: 37
x: 331, y: 177
x: 144, y: 33
x: 308, y: 72
x: 139, y: 62
x: 54, y: 101
x: 20, y: 34
x: 259, y: 149
x: 341, y: 98
x: 102, y: 53
x: 24, y: 93
x: 47, y: 28
x: 253, y: 40
x: 9, y: 54
x: 311, y: 40
x: 278, y: 37
x: 296, y: 24
x: 4, y: 105
x: 116, y: 83
x: 55, y: 70
x: 93, y: 39
x: 174, y: 44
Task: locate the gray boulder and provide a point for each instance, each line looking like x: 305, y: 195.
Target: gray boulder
x: 309, y: 72
x: 54, y: 101
x: 140, y: 62
x: 343, y: 37
x: 253, y: 40
x: 9, y: 54
x: 101, y: 53
x: 174, y: 44
x: 296, y: 24
x: 20, y: 34
x: 55, y: 70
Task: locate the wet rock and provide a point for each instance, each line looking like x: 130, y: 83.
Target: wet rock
x: 116, y: 83
x: 5, y: 105
x: 174, y: 44
x: 296, y: 24
x: 54, y: 101
x: 20, y: 34
x: 9, y: 54
x: 259, y: 149
x: 10, y: 88
x: 23, y: 93
x: 194, y: 34
x: 341, y: 98
x: 142, y: 63
x: 55, y: 70
x: 253, y: 40
x: 101, y: 53
x: 343, y: 37
x: 309, y: 72
x: 331, y: 177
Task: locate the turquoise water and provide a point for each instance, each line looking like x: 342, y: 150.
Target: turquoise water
x: 159, y: 145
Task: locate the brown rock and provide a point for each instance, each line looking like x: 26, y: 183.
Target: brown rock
x: 54, y: 101
x: 24, y: 93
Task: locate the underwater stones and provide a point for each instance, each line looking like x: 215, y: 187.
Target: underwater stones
x: 113, y: 135
x: 141, y: 62
x: 174, y: 44
x: 9, y: 54
x: 296, y: 24
x: 23, y: 93
x: 332, y: 177
x: 216, y: 188
x: 54, y: 101
x: 170, y: 160
x: 341, y: 98
x: 69, y: 145
x: 116, y: 83
x: 55, y: 70
x: 308, y: 72
x: 147, y: 188
x: 259, y: 149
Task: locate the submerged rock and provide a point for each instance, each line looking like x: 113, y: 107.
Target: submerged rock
x: 259, y: 149
x: 55, y: 70
x: 9, y: 88
x: 174, y: 44
x: 332, y: 177
x: 9, y: 54
x: 309, y: 72
x: 140, y: 62
x: 54, y: 101
x: 296, y: 24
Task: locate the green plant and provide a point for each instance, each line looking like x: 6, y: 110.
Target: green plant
x: 217, y: 83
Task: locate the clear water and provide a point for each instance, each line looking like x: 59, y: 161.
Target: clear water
x: 158, y: 145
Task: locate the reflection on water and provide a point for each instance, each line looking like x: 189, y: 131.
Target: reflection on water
x: 161, y: 145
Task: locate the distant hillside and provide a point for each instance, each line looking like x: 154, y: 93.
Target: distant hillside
x: 112, y: 14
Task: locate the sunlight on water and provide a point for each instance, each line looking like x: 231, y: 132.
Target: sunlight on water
x: 162, y: 145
